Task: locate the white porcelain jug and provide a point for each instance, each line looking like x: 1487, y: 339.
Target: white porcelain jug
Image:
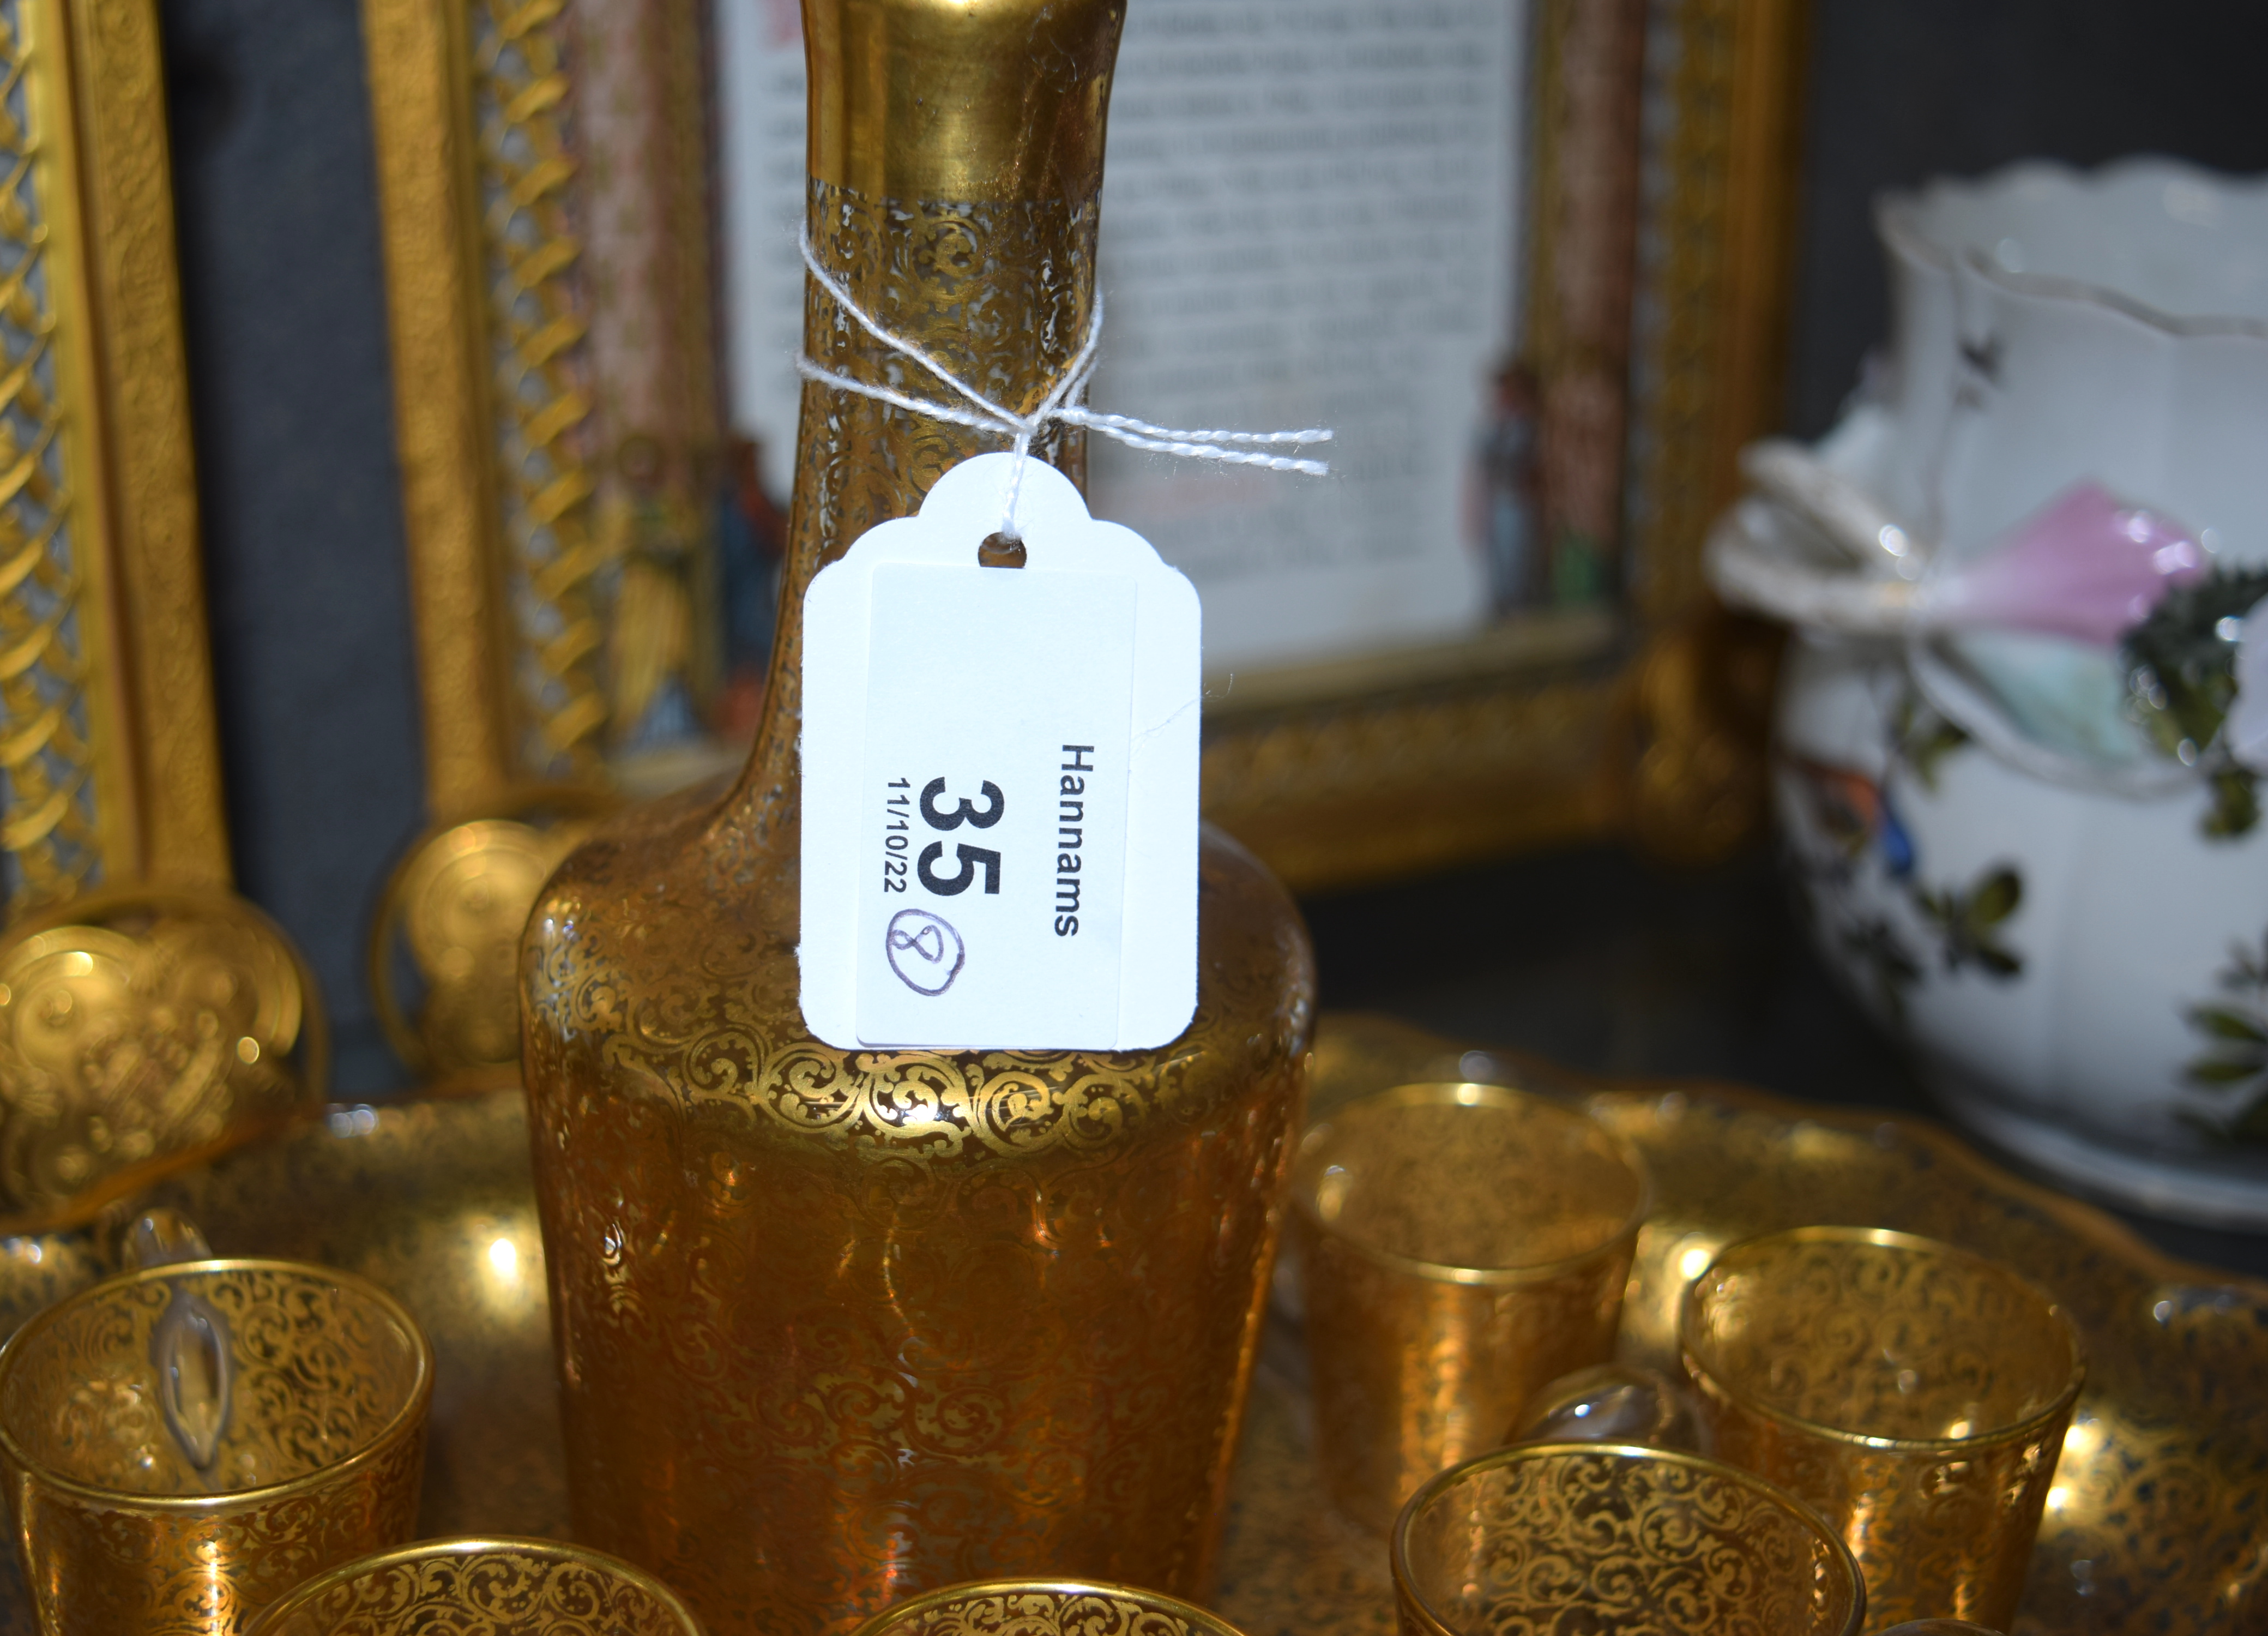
x: 2017, y: 777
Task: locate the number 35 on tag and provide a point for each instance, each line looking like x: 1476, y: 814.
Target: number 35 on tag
x: 999, y: 781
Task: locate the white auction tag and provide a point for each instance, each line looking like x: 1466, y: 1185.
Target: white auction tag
x: 1000, y: 780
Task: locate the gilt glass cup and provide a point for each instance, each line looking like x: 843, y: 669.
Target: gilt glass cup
x: 1596, y: 1537
x: 1913, y: 1392
x: 184, y: 1444
x: 497, y: 1587
x: 1044, y: 1607
x: 1459, y: 1246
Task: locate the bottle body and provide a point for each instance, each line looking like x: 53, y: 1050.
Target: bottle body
x: 837, y: 1327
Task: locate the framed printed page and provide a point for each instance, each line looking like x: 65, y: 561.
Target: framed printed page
x: 1527, y: 257
x: 1444, y: 231
x: 1308, y: 219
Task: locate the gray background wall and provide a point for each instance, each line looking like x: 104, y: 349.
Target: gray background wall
x: 1905, y: 90
x: 281, y: 288
x: 284, y: 300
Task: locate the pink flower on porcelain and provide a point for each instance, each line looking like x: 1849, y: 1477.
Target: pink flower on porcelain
x: 2245, y: 729
x: 2085, y: 567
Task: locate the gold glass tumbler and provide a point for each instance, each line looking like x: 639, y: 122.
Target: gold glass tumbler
x: 1044, y: 1607
x: 1460, y: 1246
x: 1915, y: 1393
x: 183, y: 1444
x: 495, y: 1587
x: 1598, y: 1536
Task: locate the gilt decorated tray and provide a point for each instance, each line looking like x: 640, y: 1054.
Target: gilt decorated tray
x: 2157, y: 1523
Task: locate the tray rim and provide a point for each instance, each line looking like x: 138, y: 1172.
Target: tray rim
x: 1531, y: 1071
x: 116, y: 1191
x: 2080, y: 1216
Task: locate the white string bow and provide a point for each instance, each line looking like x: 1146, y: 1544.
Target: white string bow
x: 1236, y: 448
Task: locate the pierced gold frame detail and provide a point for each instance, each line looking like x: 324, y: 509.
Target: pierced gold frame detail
x: 107, y: 741
x: 506, y: 371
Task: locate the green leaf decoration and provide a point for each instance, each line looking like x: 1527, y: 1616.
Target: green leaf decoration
x: 2235, y: 804
x: 1875, y: 945
x: 2227, y: 1023
x: 1996, y: 897
x: 2251, y: 1126
x: 2216, y: 1074
x: 2238, y: 1035
x: 1924, y: 738
x: 1965, y: 921
x: 2182, y: 679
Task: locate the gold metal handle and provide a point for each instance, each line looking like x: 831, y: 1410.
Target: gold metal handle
x: 196, y: 1358
x: 161, y: 1236
x: 1610, y: 1403
x: 191, y: 1347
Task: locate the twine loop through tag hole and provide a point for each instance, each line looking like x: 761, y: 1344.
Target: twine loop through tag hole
x: 1061, y: 403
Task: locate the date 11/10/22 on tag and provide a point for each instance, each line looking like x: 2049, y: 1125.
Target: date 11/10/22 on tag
x: 1000, y: 851
x: 926, y: 950
x: 898, y: 840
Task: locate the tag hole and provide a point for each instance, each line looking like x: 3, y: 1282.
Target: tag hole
x: 1000, y: 551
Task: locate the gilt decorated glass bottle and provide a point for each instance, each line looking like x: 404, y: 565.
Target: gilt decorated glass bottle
x: 837, y: 1327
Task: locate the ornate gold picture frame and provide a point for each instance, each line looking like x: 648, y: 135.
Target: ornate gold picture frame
x: 146, y: 1012
x: 1645, y: 721
x: 496, y: 165
x: 553, y: 400
x: 109, y: 748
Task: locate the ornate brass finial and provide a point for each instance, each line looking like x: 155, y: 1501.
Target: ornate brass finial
x: 137, y: 1023
x: 452, y: 914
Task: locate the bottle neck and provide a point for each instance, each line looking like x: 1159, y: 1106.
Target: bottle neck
x: 955, y: 153
x: 981, y: 101
x: 998, y: 293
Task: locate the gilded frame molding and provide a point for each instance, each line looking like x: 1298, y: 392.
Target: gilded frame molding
x: 1353, y: 772
x: 420, y: 66
x: 1334, y: 773
x: 522, y: 393
x: 109, y: 748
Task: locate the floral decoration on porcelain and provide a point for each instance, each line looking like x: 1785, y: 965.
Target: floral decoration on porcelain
x: 2198, y: 689
x: 2084, y: 566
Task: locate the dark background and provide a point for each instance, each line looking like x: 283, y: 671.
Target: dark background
x: 1905, y: 90
x: 1588, y: 956
x: 306, y: 579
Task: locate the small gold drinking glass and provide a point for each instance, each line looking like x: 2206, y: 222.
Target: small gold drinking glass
x: 1599, y: 1536
x: 1459, y: 1246
x: 499, y: 1586
x: 1913, y: 1392
x: 183, y: 1444
x: 1043, y: 1607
